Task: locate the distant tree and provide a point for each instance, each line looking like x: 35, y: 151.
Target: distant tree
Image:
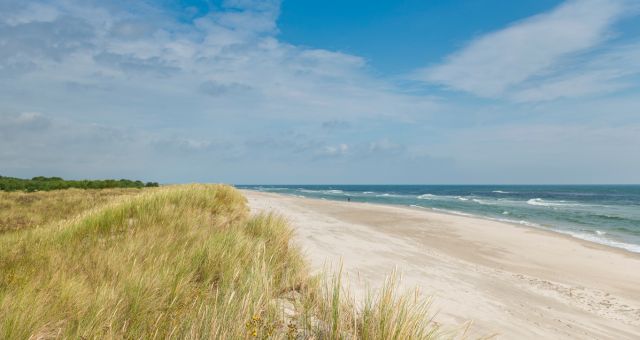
x: 42, y: 178
x: 41, y: 183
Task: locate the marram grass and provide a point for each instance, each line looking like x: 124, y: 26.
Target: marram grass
x: 182, y: 262
x: 20, y: 210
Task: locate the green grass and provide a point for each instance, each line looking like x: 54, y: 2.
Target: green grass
x: 183, y: 262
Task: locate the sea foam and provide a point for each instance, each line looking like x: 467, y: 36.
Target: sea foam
x: 543, y: 203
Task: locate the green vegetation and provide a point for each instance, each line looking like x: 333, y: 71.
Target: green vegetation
x: 54, y: 183
x: 183, y: 262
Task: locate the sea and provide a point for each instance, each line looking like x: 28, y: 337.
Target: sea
x: 606, y: 214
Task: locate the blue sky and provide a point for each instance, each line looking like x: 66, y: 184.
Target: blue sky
x: 382, y: 31
x: 245, y: 91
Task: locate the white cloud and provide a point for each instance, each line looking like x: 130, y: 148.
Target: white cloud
x: 159, y: 59
x: 334, y: 150
x: 35, y: 12
x: 607, y: 72
x: 132, y: 88
x: 493, y: 64
x: 12, y: 125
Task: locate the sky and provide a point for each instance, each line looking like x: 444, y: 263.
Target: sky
x: 322, y: 92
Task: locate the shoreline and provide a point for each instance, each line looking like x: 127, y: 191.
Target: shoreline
x: 530, y: 225
x: 521, y: 282
x: 539, y: 228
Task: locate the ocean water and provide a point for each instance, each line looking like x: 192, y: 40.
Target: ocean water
x: 607, y: 214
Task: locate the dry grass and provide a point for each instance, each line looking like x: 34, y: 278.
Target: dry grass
x: 385, y: 314
x: 182, y: 262
x: 20, y: 210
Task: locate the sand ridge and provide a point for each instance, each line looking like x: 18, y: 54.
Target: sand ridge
x: 515, y: 281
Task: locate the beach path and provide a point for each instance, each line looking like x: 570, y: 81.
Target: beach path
x: 517, y: 282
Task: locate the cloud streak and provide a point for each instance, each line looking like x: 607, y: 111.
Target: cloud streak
x: 499, y: 63
x: 607, y: 72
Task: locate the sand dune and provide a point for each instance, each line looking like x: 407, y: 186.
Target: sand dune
x: 514, y: 281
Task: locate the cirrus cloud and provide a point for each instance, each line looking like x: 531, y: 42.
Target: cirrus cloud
x: 528, y: 60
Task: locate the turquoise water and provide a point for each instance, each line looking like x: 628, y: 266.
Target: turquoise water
x: 607, y: 214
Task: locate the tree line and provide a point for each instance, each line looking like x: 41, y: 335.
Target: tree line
x: 41, y: 183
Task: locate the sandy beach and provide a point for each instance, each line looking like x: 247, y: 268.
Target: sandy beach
x: 512, y: 281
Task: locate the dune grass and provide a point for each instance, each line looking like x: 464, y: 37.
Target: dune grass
x: 20, y: 210
x: 385, y: 314
x: 183, y: 262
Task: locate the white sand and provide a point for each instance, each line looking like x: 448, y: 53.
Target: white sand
x: 515, y: 281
